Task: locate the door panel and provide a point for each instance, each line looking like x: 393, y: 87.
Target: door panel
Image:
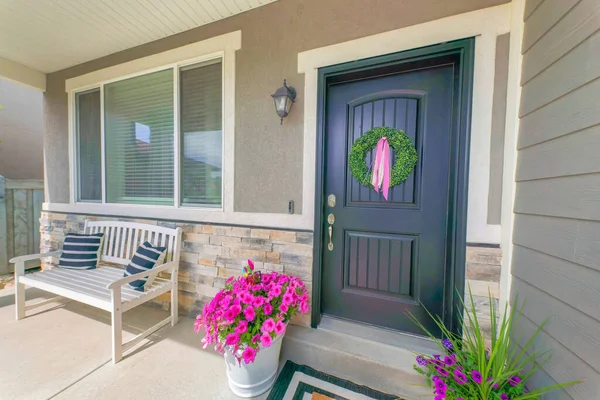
x: 390, y: 257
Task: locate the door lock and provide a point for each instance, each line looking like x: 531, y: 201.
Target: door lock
x: 330, y: 221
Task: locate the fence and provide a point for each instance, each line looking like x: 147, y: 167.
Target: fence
x: 20, y: 208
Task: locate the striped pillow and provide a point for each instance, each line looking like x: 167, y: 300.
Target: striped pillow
x: 81, y: 251
x: 144, y: 259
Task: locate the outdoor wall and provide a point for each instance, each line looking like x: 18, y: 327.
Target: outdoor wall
x: 556, y: 258
x: 21, y: 131
x: 268, y: 156
x: 212, y: 253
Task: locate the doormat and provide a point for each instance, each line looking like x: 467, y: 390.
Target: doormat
x: 299, y: 382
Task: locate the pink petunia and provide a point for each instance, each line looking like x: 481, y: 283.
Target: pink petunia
x: 268, y: 326
x: 242, y: 327
x: 249, y: 313
x: 276, y: 291
x: 256, y: 338
x: 257, y: 302
x: 249, y: 355
x: 236, y: 310
x: 279, y: 328
x: 232, y: 339
x: 266, y: 340
x: 268, y: 309
x: 287, y: 299
x: 283, y: 308
x: 304, y: 307
x: 230, y: 315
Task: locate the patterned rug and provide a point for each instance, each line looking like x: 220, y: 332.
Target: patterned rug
x: 299, y: 382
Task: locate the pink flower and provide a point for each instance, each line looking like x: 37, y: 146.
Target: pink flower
x: 287, y: 299
x: 279, y: 327
x: 242, y: 327
x: 304, y: 307
x: 198, y: 323
x: 268, y: 309
x: 249, y: 313
x: 232, y: 339
x: 268, y: 326
x: 283, y: 308
x: 256, y: 338
x: 229, y: 315
x: 266, y: 340
x: 257, y: 302
x: 276, y: 291
x: 249, y: 355
x: 236, y: 310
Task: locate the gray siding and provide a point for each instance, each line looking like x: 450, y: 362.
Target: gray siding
x: 556, y: 259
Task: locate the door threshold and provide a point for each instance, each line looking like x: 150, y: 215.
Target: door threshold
x: 408, y: 341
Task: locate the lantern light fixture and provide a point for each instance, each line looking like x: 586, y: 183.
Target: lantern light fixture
x: 284, y: 97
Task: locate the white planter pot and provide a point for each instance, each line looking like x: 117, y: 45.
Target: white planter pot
x: 251, y: 380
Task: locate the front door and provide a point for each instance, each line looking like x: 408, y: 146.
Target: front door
x: 392, y: 257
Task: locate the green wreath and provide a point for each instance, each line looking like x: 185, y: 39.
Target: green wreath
x: 406, y: 155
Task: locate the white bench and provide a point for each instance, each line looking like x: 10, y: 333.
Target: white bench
x: 105, y: 287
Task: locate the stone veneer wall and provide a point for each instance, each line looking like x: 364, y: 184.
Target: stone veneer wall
x: 212, y: 253
x: 209, y: 255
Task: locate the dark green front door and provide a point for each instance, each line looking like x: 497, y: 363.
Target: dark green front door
x: 390, y: 257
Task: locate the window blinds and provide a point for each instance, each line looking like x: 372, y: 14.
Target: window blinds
x: 139, y: 139
x: 201, y: 134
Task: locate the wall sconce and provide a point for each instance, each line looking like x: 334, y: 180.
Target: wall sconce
x: 284, y: 98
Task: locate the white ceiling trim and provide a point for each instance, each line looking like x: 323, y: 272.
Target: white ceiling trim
x: 21, y: 74
x: 49, y: 36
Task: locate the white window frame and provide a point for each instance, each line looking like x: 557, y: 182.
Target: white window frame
x: 221, y: 47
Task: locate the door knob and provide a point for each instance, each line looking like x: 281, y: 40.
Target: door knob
x: 330, y: 220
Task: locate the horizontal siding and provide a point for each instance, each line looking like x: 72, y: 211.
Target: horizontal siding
x: 564, y: 76
x: 575, y: 111
x: 573, y: 329
x: 576, y: 26
x: 571, y: 283
x: 556, y: 258
x: 568, y: 197
x: 544, y: 18
x: 555, y: 158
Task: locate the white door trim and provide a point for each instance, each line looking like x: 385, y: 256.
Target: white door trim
x: 485, y: 25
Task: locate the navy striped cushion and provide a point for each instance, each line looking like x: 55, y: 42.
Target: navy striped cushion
x: 81, y: 251
x: 144, y: 259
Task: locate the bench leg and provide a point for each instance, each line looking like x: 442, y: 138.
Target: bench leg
x: 117, y: 326
x: 19, y: 291
x: 174, y: 303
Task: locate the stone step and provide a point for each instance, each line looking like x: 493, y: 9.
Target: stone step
x: 484, y: 255
x: 380, y: 366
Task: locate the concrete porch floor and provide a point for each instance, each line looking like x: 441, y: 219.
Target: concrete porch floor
x: 63, y: 352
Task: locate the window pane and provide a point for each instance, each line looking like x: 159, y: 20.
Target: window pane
x: 139, y: 139
x: 89, y: 151
x: 201, y: 134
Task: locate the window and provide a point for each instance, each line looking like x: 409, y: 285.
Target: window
x: 149, y: 122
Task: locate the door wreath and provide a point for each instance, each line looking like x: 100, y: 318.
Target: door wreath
x: 406, y: 158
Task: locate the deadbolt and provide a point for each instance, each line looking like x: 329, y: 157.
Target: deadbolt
x: 331, y: 200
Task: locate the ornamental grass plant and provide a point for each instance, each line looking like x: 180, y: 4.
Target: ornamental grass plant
x: 251, y: 312
x: 468, y: 370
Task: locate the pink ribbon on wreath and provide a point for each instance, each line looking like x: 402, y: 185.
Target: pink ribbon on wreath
x: 381, y: 168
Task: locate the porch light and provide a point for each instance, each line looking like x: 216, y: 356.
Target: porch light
x: 284, y: 98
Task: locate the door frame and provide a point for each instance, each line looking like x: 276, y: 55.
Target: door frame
x: 459, y: 170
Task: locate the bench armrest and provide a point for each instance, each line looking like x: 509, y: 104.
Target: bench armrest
x: 164, y: 267
x: 29, y: 257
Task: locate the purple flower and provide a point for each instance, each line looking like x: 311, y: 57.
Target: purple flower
x: 476, y: 375
x: 495, y: 384
x: 440, y: 385
x: 421, y: 361
x: 449, y: 361
x: 436, y: 356
x: 447, y: 344
x: 442, y: 371
x: 514, y: 381
x: 504, y: 397
x: 459, y: 377
x: 435, y: 378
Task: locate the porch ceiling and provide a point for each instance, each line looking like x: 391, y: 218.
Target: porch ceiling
x: 48, y: 36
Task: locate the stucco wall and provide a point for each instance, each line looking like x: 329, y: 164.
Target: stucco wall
x: 268, y: 156
x: 21, y: 132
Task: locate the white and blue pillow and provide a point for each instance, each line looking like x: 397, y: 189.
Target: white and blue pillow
x: 81, y: 251
x: 145, y: 258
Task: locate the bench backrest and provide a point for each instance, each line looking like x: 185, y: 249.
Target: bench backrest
x: 122, y: 238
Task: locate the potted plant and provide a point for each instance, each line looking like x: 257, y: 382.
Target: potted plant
x: 468, y: 370
x: 246, y: 322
